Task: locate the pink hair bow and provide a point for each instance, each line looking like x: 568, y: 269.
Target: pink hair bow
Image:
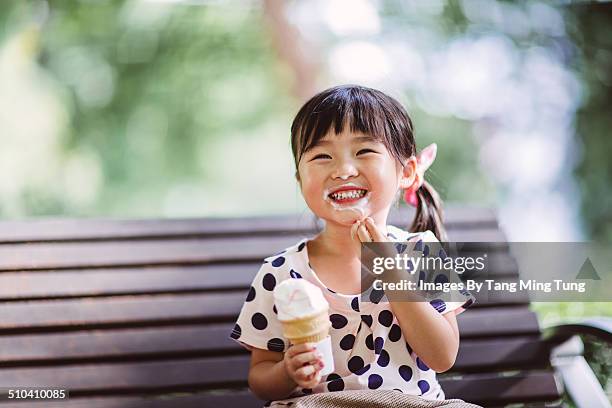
x: 424, y: 159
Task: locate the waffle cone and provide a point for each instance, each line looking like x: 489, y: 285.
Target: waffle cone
x: 311, y: 329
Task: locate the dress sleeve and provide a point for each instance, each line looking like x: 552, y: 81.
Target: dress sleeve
x: 455, y: 300
x: 257, y: 325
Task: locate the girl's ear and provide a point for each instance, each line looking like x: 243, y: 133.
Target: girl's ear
x: 409, y: 173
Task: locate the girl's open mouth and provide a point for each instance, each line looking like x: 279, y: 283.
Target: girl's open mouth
x: 348, y: 196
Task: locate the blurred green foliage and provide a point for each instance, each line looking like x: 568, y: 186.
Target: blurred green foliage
x: 149, y: 90
x: 591, y: 30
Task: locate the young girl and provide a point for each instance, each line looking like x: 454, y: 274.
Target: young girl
x: 354, y: 152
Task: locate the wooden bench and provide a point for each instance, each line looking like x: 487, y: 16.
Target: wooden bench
x: 137, y: 314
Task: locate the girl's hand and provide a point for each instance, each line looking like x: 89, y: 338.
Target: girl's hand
x: 303, y: 364
x: 367, y: 231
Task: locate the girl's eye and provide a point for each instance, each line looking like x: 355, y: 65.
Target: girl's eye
x: 321, y: 155
x: 366, y: 150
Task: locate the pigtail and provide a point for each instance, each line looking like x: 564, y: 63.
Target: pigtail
x: 429, y: 213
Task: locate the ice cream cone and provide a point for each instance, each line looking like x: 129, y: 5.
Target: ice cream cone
x: 309, y: 329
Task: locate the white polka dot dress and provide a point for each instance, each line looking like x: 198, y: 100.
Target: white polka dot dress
x: 369, y: 349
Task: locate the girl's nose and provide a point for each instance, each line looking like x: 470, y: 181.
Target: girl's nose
x: 345, y: 170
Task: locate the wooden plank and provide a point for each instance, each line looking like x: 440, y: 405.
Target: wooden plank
x: 212, y: 340
x: 59, y: 229
x: 134, y: 253
x: 201, y: 308
x: 164, y: 279
x: 72, y: 255
x: 488, y: 389
x: 231, y: 371
x: 131, y: 281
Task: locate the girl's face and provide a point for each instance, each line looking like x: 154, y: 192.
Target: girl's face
x: 362, y: 164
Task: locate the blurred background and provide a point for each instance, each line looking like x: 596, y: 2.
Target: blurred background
x: 137, y: 109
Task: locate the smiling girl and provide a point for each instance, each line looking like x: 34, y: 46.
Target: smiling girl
x: 355, y: 153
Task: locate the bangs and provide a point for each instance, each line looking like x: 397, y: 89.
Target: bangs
x: 361, y: 109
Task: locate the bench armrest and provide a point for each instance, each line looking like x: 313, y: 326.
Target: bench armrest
x: 600, y: 327
x: 566, y: 355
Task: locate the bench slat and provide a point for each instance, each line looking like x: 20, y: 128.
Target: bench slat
x: 104, y: 229
x: 158, y: 279
x: 149, y: 252
x: 18, y: 257
x: 231, y: 371
x: 211, y: 340
x: 202, y: 308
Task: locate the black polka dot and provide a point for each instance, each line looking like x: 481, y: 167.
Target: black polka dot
x: 356, y: 366
x: 421, y: 364
x: 419, y: 245
x: 276, y: 344
x: 468, y: 303
x: 405, y: 372
x: 251, y: 294
x: 374, y: 381
x: 383, y: 359
x: 370, y: 341
x: 441, y: 279
x: 426, y: 250
x: 295, y: 275
x: 363, y: 370
x: 422, y: 275
x: 395, y: 333
x: 301, y: 246
x: 338, y: 321
x: 355, y: 304
x: 236, y: 332
x: 423, y: 385
x: 438, y: 304
x: 274, y: 309
x: 269, y: 282
x: 367, y: 319
x: 332, y: 376
x: 378, y: 344
x: 335, y: 382
x: 278, y: 261
x: 442, y: 254
x: 376, y: 296
x: 347, y: 342
x: 259, y: 321
x: 385, y: 318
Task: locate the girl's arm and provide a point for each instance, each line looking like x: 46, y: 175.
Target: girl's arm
x: 275, y: 375
x: 268, y: 378
x: 432, y: 336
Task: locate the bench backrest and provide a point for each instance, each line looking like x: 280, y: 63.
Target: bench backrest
x: 138, y: 313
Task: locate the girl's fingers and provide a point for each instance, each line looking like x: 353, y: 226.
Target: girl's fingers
x: 296, y: 349
x: 301, y: 359
x: 362, y: 232
x: 305, y: 372
x: 354, y: 228
x: 374, y: 231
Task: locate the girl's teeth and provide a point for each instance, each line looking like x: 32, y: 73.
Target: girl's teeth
x: 348, y: 194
